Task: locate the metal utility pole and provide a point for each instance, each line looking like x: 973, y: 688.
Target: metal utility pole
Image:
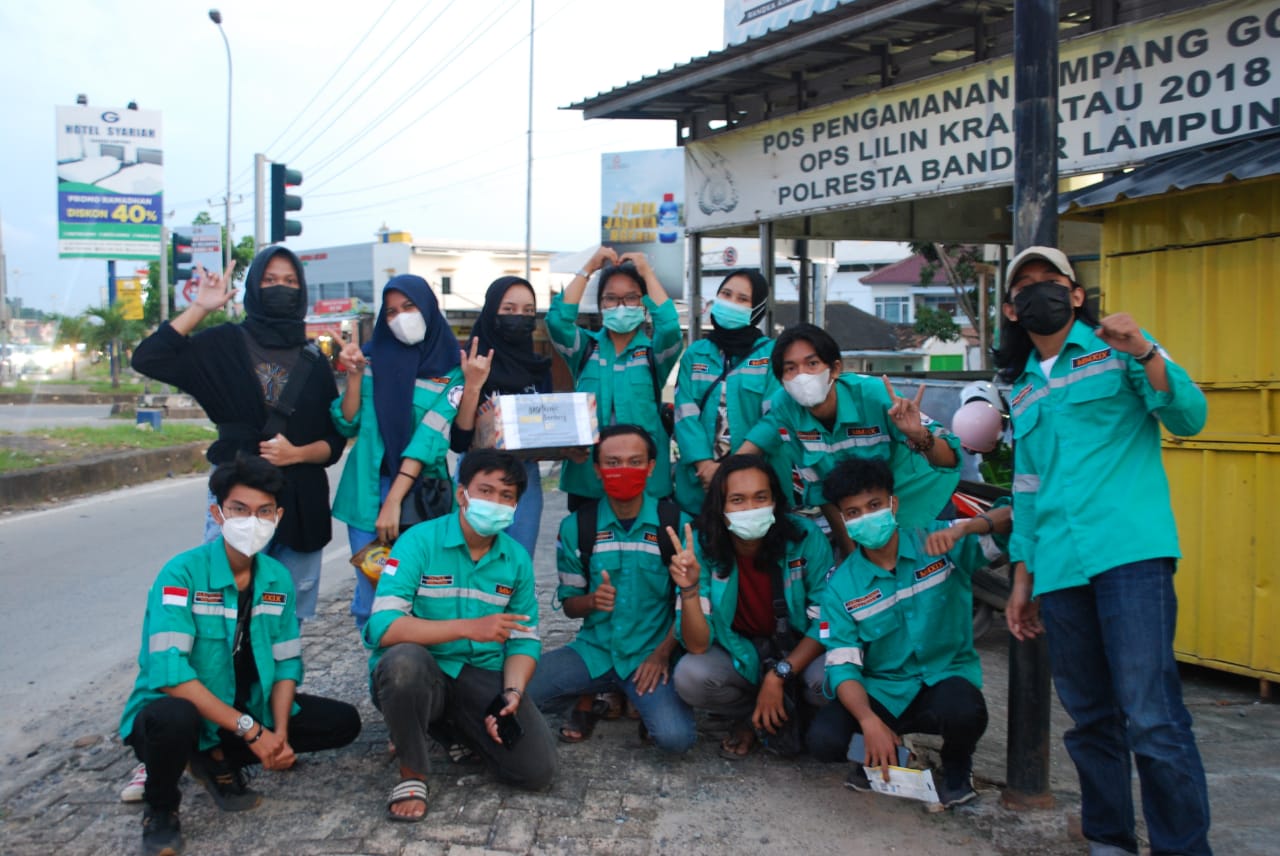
x: 259, y: 201
x: 164, y: 274
x: 1035, y: 222
x: 528, y: 169
x: 4, y: 301
x: 216, y: 17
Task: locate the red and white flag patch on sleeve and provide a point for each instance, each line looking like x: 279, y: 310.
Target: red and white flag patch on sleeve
x: 174, y: 596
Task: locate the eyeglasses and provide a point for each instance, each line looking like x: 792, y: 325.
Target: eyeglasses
x: 267, y: 513
x: 611, y: 301
x: 290, y: 281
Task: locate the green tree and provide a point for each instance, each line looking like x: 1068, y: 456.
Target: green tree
x: 963, y: 268
x: 106, y: 327
x: 937, y: 324
x: 72, y: 331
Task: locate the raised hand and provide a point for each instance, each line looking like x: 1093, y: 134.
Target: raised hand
x: 215, y: 289
x: 1121, y: 332
x: 905, y: 412
x: 353, y: 358
x: 640, y: 260
x: 942, y: 541
x: 603, y: 597
x: 475, y: 366
x: 496, y: 627
x: 684, y: 568
x: 601, y: 257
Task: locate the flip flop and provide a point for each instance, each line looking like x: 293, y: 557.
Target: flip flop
x: 741, y: 732
x: 583, y: 722
x: 407, y: 789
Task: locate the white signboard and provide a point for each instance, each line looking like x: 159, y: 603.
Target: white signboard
x: 746, y: 19
x: 205, y: 240
x: 642, y: 210
x: 1125, y: 96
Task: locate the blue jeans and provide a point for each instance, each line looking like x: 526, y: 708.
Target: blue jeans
x: 562, y: 676
x: 1111, y: 652
x: 528, y: 519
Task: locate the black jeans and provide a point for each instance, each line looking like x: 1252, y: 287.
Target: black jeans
x: 419, y: 701
x: 166, y: 734
x: 953, y: 708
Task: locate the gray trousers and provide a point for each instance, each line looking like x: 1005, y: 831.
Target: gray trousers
x: 416, y: 698
x: 709, y: 682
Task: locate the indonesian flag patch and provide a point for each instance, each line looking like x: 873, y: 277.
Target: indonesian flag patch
x: 174, y: 596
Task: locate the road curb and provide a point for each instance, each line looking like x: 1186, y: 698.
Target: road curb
x: 28, y: 488
x: 68, y: 397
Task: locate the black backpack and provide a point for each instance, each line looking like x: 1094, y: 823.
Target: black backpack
x: 589, y: 515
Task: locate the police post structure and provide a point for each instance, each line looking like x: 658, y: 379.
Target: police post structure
x: 1035, y: 222
x: 283, y: 202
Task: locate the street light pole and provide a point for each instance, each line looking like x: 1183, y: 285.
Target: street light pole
x: 216, y: 17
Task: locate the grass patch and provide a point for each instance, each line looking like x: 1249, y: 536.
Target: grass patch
x: 62, y: 445
x: 13, y: 459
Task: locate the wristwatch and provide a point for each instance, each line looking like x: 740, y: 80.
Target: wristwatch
x: 782, y: 669
x: 243, y: 724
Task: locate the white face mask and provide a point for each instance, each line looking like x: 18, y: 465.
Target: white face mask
x: 752, y: 524
x: 247, y: 535
x: 809, y: 390
x: 409, y: 327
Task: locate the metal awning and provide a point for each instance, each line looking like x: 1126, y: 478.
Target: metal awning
x: 1242, y: 160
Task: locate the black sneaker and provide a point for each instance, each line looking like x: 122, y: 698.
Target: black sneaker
x: 161, y: 833
x: 229, y: 786
x: 857, y: 780
x: 950, y: 797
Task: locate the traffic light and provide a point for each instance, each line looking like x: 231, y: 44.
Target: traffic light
x: 181, y: 256
x: 282, y: 178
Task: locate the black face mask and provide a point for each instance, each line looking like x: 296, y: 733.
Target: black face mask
x: 1044, y: 308
x: 279, y: 301
x: 515, y: 329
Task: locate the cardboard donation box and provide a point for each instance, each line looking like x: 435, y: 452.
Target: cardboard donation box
x: 538, y: 427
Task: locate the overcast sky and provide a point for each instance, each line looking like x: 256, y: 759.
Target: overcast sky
x: 418, y: 118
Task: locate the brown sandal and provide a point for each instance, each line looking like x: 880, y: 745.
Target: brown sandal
x: 581, y: 723
x: 741, y: 734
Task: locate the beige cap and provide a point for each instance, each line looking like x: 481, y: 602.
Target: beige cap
x: 1051, y: 255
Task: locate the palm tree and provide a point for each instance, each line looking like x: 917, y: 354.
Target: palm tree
x: 72, y: 331
x: 106, y: 327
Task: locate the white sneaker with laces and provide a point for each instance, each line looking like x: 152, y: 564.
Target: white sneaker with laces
x: 133, y: 791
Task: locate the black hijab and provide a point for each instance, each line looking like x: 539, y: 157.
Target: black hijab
x: 515, y: 367
x: 738, y: 343
x: 397, y: 366
x: 274, y: 331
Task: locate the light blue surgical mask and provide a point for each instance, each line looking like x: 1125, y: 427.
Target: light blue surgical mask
x: 488, y: 518
x: 752, y: 524
x: 873, y: 530
x: 730, y: 316
x: 623, y: 319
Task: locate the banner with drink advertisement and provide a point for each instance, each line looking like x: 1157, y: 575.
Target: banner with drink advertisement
x: 110, y: 183
x: 642, y: 210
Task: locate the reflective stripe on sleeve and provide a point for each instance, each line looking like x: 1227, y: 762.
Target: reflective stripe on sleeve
x: 574, y: 580
x: 436, y: 421
x: 844, y: 657
x: 171, y: 639
x: 531, y: 633
x: 287, y: 650
x: 1026, y: 483
x: 388, y: 602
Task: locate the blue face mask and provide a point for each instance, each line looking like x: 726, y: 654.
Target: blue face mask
x: 873, y: 530
x: 488, y: 518
x: 623, y: 319
x: 730, y: 316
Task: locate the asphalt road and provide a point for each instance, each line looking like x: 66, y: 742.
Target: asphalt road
x: 75, y: 578
x: 25, y: 417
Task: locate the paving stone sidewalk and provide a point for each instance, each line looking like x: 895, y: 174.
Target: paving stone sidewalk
x: 613, y: 796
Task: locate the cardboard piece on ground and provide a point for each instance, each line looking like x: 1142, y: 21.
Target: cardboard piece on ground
x: 537, y: 426
x: 909, y: 784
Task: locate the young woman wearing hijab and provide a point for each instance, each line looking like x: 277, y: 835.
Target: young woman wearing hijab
x: 502, y: 362
x: 723, y: 382
x: 237, y: 373
x: 402, y: 390
x: 621, y: 365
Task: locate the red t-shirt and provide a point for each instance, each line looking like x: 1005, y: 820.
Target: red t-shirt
x: 754, y: 616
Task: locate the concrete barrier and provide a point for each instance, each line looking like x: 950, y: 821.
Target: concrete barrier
x: 27, y: 488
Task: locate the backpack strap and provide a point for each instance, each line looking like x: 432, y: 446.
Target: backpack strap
x: 309, y: 358
x: 668, y: 515
x: 588, y: 517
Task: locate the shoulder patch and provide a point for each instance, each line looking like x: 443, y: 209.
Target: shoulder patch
x: 651, y: 537
x: 174, y: 596
x: 784, y: 434
x: 857, y: 603
x: 758, y: 361
x: 640, y: 352
x: 207, y: 597
x: 455, y: 395
x: 700, y: 367
x: 606, y: 535
x: 1095, y: 357
x: 274, y: 597
x: 504, y: 590
x: 931, y: 569
x: 436, y: 579
x: 863, y: 431
x: 804, y: 436
x: 798, y: 563
x: 389, y: 569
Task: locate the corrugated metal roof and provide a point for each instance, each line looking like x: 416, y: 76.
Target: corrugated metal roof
x: 1252, y: 158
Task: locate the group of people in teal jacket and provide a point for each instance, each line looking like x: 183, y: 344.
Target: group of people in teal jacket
x: 707, y: 583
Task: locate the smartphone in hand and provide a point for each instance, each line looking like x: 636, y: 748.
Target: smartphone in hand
x: 509, y: 730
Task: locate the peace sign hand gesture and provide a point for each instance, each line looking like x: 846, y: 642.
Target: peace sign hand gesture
x: 475, y: 366
x: 905, y: 412
x: 215, y: 289
x: 684, y: 568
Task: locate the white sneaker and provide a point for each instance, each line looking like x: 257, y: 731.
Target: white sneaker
x: 133, y: 791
